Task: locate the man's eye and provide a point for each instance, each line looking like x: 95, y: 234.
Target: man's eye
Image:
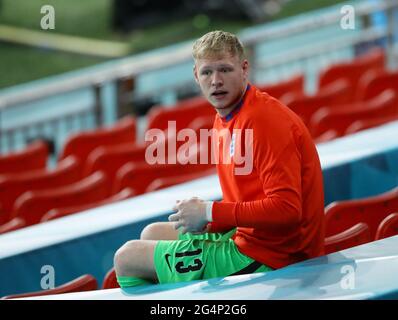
x: 206, y: 73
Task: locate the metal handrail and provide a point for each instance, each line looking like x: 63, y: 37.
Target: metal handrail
x: 309, y: 51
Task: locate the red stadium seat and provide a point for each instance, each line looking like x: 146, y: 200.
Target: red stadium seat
x: 82, y: 143
x: 32, y: 205
x: 110, y: 158
x: 205, y: 122
x: 162, y: 183
x: 110, y: 281
x: 65, y: 211
x: 376, y: 82
x: 388, y: 227
x: 184, y: 112
x: 84, y: 283
x: 339, y: 119
x: 13, y: 225
x: 13, y: 185
x: 33, y: 157
x: 293, y: 85
x: 138, y: 176
x: 341, y: 215
x: 335, y: 94
x: 326, y: 136
x: 369, y: 123
x: 352, y: 71
x: 352, y: 237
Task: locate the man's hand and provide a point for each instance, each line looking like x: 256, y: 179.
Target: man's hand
x: 190, y: 216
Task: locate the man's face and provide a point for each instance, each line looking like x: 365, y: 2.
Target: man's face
x: 222, y: 80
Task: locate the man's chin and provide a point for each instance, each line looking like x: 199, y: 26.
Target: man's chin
x: 220, y: 106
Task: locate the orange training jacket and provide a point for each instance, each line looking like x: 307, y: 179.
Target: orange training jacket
x: 277, y: 201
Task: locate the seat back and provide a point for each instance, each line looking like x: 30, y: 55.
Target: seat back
x: 335, y: 94
x: 32, y: 205
x: 66, y: 211
x: 139, y: 175
x: 84, y: 283
x: 204, y: 122
x: 364, y: 124
x: 110, y: 281
x: 14, y: 224
x: 294, y: 85
x: 342, y: 215
x: 33, y: 157
x: 326, y: 136
x: 352, y: 237
x: 82, y: 143
x: 339, y: 119
x: 352, y: 71
x: 388, y: 227
x: 12, y: 186
x: 183, y: 113
x: 165, y: 182
x: 375, y: 82
x: 110, y: 158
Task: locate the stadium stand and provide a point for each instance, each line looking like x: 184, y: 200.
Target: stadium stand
x: 32, y: 205
x: 83, y: 283
x: 388, y: 227
x: 341, y: 215
x: 32, y: 157
x: 373, y: 264
x: 354, y: 236
x: 14, y: 185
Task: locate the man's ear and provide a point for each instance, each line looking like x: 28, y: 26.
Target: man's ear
x: 245, y: 68
x: 195, y: 73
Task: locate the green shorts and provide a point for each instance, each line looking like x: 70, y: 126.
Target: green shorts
x: 196, y: 257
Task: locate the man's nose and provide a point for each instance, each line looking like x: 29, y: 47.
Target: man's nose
x: 216, y: 79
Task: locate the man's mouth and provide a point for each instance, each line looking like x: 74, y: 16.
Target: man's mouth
x: 219, y: 94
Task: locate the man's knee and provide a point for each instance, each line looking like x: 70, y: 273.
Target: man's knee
x: 135, y: 259
x: 124, y: 256
x: 159, y: 231
x: 150, y: 232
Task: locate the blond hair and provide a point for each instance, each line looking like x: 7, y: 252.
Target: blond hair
x: 216, y: 44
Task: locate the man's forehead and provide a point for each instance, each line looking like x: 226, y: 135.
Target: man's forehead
x: 216, y: 61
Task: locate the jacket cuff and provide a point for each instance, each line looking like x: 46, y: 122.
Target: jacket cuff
x: 224, y: 212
